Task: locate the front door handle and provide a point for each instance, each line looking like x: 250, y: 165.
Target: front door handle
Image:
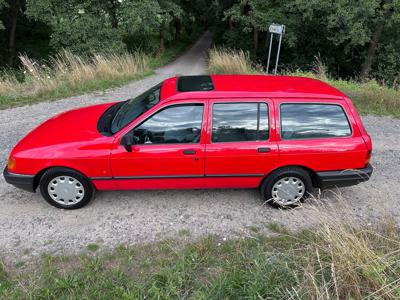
x: 264, y: 150
x: 189, y: 152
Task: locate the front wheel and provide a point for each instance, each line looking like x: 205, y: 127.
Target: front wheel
x: 287, y: 187
x: 66, y: 188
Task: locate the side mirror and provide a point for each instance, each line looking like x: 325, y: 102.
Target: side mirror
x: 127, y: 141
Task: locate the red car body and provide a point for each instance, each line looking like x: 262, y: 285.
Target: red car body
x: 72, y: 140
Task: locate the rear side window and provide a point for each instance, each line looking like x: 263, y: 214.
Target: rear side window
x: 307, y: 121
x: 239, y: 122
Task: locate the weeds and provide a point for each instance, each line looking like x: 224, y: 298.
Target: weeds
x: 92, y: 247
x: 335, y: 259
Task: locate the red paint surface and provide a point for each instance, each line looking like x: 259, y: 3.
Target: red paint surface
x: 71, y: 140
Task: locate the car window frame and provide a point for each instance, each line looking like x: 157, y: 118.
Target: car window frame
x: 161, y: 84
x: 164, y: 108
x: 240, y: 102
x: 315, y: 103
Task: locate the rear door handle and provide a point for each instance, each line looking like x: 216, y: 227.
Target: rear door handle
x: 189, y: 151
x: 264, y: 150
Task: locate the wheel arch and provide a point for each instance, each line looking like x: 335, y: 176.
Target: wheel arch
x: 39, y: 175
x: 311, y: 172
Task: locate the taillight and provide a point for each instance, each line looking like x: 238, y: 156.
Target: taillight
x: 368, y: 159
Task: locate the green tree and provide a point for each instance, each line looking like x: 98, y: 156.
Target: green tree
x: 353, y: 23
x: 387, y: 16
x: 2, y: 5
x: 254, y: 16
x: 79, y: 26
x: 356, y: 27
x: 14, y: 13
x: 170, y: 11
x: 140, y: 16
x: 347, y: 34
x: 152, y: 17
x: 93, y: 26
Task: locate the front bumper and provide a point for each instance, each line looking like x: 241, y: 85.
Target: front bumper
x: 25, y: 182
x: 344, y: 178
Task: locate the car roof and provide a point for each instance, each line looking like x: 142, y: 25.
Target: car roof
x: 247, y: 86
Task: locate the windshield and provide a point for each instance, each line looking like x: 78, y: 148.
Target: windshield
x: 135, y: 107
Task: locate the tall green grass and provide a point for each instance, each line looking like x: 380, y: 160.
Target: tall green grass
x: 369, y: 97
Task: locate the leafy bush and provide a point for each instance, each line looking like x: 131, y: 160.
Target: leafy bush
x: 86, y: 34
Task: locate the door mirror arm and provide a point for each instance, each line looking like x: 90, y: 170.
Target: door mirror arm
x: 127, y: 141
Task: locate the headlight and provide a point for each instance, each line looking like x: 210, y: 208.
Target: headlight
x: 11, y: 163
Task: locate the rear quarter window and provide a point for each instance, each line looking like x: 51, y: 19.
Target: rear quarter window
x: 313, y: 120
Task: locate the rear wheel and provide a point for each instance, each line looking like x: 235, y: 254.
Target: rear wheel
x: 287, y: 187
x: 66, y: 188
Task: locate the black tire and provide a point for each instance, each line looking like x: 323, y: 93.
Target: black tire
x: 270, y: 180
x: 53, y: 173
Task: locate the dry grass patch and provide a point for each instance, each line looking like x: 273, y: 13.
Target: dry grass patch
x: 66, y: 73
x: 341, y: 262
x: 226, y: 61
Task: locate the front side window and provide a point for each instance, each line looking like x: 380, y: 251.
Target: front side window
x: 239, y: 122
x: 173, y: 125
x: 305, y: 121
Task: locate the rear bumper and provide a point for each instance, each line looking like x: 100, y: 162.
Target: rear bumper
x: 344, y: 178
x: 25, y: 182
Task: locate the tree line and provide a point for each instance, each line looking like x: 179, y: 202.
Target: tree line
x: 40, y: 27
x: 357, y: 39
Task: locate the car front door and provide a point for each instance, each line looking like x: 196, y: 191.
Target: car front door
x: 241, y: 147
x: 168, y: 150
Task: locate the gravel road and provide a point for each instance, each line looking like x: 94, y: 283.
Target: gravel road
x: 29, y: 226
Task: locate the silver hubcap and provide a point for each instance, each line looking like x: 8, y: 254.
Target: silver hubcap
x: 288, y: 190
x: 66, y: 190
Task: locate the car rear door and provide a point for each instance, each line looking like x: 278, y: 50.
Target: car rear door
x: 169, y: 150
x: 241, y: 147
x: 320, y: 134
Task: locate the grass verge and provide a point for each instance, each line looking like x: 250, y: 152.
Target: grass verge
x: 369, y: 97
x: 66, y: 75
x: 334, y: 261
x: 226, y: 61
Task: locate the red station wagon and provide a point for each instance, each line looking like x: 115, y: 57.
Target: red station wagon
x: 284, y: 135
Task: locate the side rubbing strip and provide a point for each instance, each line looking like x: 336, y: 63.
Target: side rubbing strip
x: 147, y: 177
x: 176, y: 176
x: 159, y: 177
x: 234, y: 175
x: 101, y: 178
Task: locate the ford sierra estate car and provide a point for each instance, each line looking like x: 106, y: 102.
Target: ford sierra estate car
x: 284, y: 135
